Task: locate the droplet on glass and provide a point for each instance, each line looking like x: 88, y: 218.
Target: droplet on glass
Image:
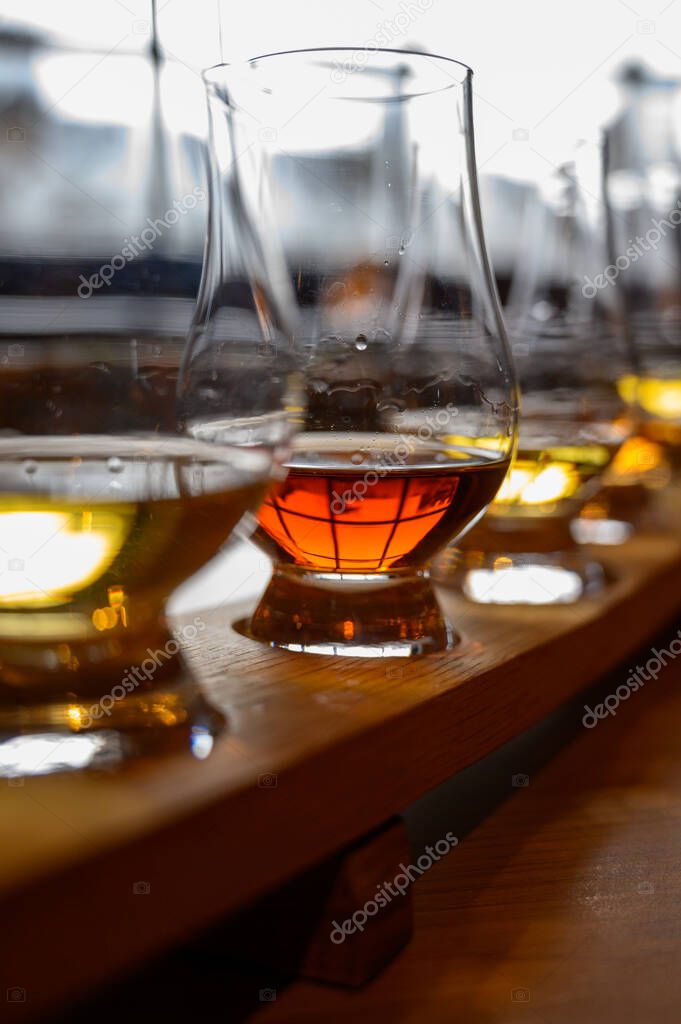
x: 30, y: 467
x: 114, y: 465
x: 542, y: 310
x: 361, y: 342
x: 356, y: 458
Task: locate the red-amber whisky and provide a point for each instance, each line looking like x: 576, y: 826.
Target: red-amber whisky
x: 351, y: 505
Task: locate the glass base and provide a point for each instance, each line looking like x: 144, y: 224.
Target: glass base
x: 531, y: 578
x: 612, y: 516
x: 67, y: 734
x: 623, y: 501
x: 356, y: 616
x: 607, y: 532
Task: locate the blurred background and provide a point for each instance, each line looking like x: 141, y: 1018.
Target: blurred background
x: 103, y: 123
x: 540, y: 70
x: 545, y: 76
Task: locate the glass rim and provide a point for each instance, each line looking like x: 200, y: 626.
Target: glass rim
x: 210, y: 74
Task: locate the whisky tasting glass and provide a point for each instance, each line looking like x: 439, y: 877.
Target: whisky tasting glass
x: 643, y: 190
x: 359, y: 168
x: 570, y: 356
x: 122, y: 469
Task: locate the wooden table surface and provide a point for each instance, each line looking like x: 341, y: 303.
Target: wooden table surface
x: 562, y: 906
x: 348, y: 742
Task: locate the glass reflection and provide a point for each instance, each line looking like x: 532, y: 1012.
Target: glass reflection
x: 533, y: 584
x: 69, y: 737
x: 48, y: 753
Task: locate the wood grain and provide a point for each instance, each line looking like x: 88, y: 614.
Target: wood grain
x: 350, y: 743
x: 564, y: 905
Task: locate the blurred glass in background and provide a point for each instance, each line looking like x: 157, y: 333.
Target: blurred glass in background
x: 101, y: 186
x: 109, y: 499
x: 569, y: 356
x: 503, y: 201
x: 643, y: 190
